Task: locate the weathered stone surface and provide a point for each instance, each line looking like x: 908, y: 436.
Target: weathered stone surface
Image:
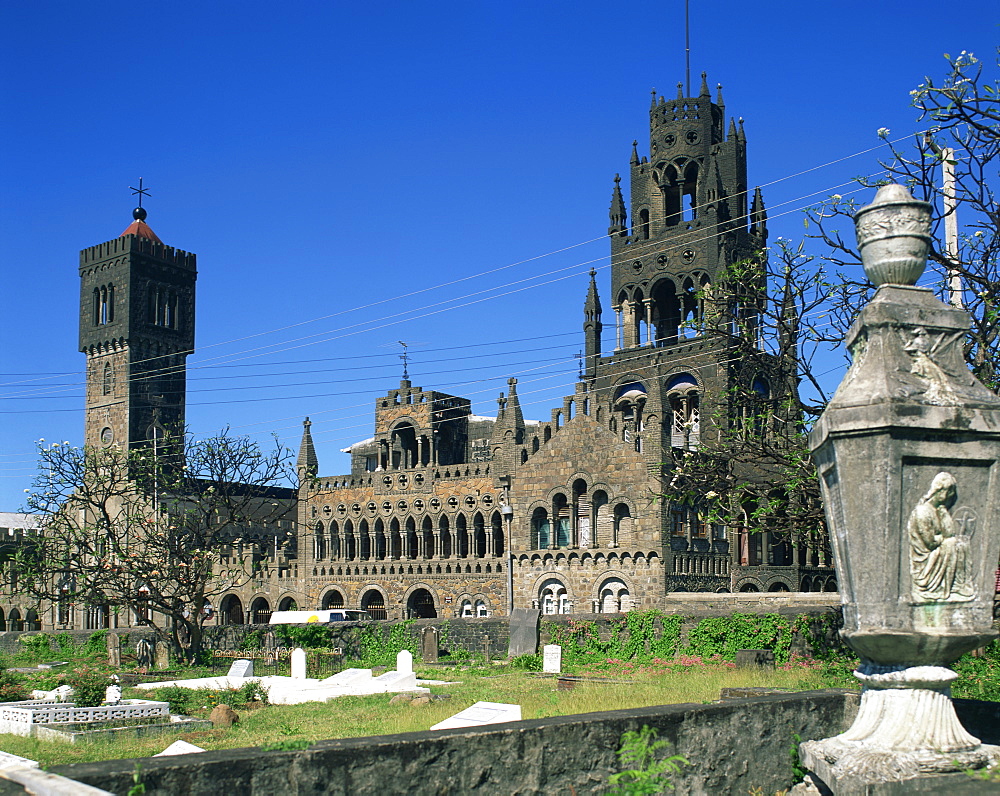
x: 223, y: 716
x: 761, y: 659
x: 733, y: 746
x: 523, y: 632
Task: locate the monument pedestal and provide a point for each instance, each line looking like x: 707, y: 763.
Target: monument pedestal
x: 906, y: 728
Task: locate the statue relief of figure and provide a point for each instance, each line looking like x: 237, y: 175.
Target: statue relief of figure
x: 939, y: 556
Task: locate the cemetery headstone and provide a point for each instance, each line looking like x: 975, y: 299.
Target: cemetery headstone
x: 298, y: 663
x: 429, y: 644
x: 144, y: 654
x: 552, y: 659
x: 161, y: 655
x: 242, y: 667
x: 761, y: 659
x: 113, y: 694
x: 114, y: 650
x: 486, y: 648
x: 404, y: 662
x: 523, y: 632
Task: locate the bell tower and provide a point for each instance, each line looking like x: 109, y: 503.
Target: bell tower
x: 691, y: 220
x: 136, y: 330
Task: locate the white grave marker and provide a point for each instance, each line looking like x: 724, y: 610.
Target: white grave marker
x: 241, y: 668
x: 481, y: 713
x: 404, y: 662
x: 179, y: 748
x: 299, y: 663
x: 552, y: 659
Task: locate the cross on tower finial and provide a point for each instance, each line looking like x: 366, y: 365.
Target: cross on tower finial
x: 140, y: 191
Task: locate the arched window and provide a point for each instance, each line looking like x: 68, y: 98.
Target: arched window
x: 603, y: 519
x: 319, y: 542
x: 478, y: 535
x: 335, y: 551
x: 614, y: 597
x: 685, y: 409
x: 427, y: 531
x: 333, y: 599
x: 108, y: 385
x: 260, y: 611
x: 630, y: 402
x: 623, y: 525
x: 364, y: 541
x: 373, y: 602
x: 581, y: 502
x: 552, y: 597
x: 395, y: 540
x: 481, y: 609
x: 380, y: 546
x: 644, y: 223
x: 412, y: 545
x: 350, y: 546
x: 496, y: 526
x: 444, y: 532
x: 561, y: 518
x: 462, y: 536
x: 540, y: 532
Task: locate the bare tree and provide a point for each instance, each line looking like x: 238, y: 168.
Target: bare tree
x: 962, y: 133
x: 158, y: 538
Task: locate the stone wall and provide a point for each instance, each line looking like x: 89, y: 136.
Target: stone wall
x: 732, y: 747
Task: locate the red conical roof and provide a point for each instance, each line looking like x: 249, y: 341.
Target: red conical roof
x: 140, y: 229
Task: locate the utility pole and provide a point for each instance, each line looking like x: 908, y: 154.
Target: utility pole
x: 947, y: 155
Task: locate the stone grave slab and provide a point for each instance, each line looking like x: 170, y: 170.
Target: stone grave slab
x: 523, y: 632
x: 242, y: 667
x: 298, y: 663
x: 481, y: 713
x: 349, y: 677
x: 552, y: 659
x: 429, y: 644
x: 7, y: 760
x: 179, y: 748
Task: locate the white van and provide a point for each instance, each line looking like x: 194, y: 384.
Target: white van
x: 320, y: 615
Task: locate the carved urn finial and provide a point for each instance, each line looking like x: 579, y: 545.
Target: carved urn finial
x: 894, y: 234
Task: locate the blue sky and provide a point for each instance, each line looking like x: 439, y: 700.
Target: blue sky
x: 329, y: 162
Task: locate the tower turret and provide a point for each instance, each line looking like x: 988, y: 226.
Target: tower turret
x: 592, y: 327
x: 307, y: 465
x: 137, y: 303
x: 689, y: 220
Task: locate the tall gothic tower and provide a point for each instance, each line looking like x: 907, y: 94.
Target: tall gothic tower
x: 690, y: 221
x: 136, y: 328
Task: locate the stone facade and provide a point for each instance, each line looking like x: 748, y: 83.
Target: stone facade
x: 442, y: 513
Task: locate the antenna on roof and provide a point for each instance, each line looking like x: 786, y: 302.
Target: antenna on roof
x: 687, y: 45
x: 405, y: 356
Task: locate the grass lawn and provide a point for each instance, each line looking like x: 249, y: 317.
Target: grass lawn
x: 630, y: 686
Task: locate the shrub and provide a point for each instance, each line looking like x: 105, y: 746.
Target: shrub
x: 181, y: 700
x: 64, y: 641
x: 315, y: 636
x: 645, y: 773
x: 35, y: 646
x: 527, y: 662
x: 96, y: 643
x: 12, y: 687
x: 89, y: 685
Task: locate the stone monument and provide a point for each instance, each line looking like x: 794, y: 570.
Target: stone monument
x: 429, y: 644
x: 908, y: 455
x: 552, y: 659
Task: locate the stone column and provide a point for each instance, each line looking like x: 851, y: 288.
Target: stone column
x: 618, y: 328
x: 649, y: 322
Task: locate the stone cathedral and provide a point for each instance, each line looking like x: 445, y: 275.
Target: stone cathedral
x: 445, y: 513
